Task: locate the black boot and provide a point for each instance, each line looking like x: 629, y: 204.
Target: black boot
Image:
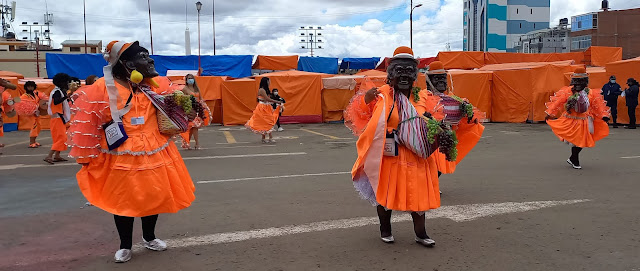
x: 574, y: 160
x: 385, y: 224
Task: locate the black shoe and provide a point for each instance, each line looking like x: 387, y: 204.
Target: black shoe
x: 630, y: 127
x: 615, y: 125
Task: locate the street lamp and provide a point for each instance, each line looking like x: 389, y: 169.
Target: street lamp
x: 199, y: 7
x: 411, y: 22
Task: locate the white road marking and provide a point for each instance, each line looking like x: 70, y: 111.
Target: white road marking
x: 182, y: 150
x: 71, y: 163
x: 235, y: 143
x: 26, y: 143
x: 487, y: 137
x: 29, y: 155
x: 276, y: 177
x: 245, y: 155
x: 340, y: 142
x: 630, y: 157
x: 458, y: 213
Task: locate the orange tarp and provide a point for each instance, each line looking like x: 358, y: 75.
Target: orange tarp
x: 461, y: 60
x: 239, y: 99
x: 503, y: 58
x: 624, y: 70
x: 336, y: 95
x: 14, y: 94
x: 474, y: 86
x: 216, y: 110
x: 276, y: 63
x: 601, y: 56
x: 210, y: 87
x: 520, y: 90
x: 598, y: 77
x: 379, y: 78
x: 11, y: 74
x: 302, y: 92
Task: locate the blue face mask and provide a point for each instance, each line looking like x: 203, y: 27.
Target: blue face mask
x: 191, y: 81
x: 613, y: 81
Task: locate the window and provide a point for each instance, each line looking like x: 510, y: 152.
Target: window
x: 581, y: 42
x: 74, y: 49
x: 517, y: 11
x: 534, y: 25
x: 531, y: 11
x: 520, y: 25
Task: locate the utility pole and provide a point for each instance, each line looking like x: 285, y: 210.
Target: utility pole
x: 84, y: 15
x: 150, y: 32
x: 311, y: 38
x: 214, y: 26
x: 7, y: 11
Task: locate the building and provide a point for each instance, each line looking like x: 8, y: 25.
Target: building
x: 614, y: 28
x: 496, y: 25
x: 78, y: 47
x: 551, y: 40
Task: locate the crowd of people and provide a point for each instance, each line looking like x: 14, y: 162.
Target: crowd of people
x: 120, y: 130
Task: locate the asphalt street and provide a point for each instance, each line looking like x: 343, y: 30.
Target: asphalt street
x: 513, y: 204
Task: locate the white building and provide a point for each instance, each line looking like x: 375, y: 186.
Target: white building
x: 553, y: 40
x: 496, y: 25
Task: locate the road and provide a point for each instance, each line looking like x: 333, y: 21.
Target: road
x: 513, y: 204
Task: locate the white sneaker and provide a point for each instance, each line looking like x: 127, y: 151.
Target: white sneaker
x: 280, y: 129
x: 427, y: 242
x: 155, y: 244
x: 123, y: 255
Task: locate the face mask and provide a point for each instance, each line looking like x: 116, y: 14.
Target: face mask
x: 613, y: 81
x: 191, y: 81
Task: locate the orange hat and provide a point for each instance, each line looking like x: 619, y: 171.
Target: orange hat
x: 580, y: 73
x: 436, y: 67
x: 403, y: 52
x: 115, y: 49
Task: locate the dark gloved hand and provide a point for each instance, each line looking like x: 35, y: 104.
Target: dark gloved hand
x: 606, y: 119
x: 427, y: 115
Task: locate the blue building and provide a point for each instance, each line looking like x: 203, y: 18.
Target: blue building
x: 497, y: 25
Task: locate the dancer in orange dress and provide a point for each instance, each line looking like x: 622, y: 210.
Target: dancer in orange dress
x: 129, y: 168
x: 204, y: 114
x: 58, y: 109
x: 459, y: 113
x: 264, y: 116
x: 29, y: 107
x: 578, y: 116
x: 6, y: 105
x: 395, y: 168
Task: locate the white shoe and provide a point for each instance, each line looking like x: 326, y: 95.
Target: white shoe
x: 123, y: 255
x: 280, y: 129
x: 574, y: 166
x: 427, y: 242
x: 155, y: 244
x: 389, y: 239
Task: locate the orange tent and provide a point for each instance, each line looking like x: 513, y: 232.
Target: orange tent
x: 239, y: 99
x: 461, y: 60
x: 520, y: 90
x: 11, y: 74
x: 503, y: 58
x: 624, y: 70
x: 302, y: 92
x: 276, y: 63
x: 474, y: 86
x: 601, y: 55
x: 336, y: 94
x: 379, y: 78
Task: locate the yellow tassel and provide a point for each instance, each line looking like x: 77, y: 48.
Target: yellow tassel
x: 152, y: 82
x: 136, y: 77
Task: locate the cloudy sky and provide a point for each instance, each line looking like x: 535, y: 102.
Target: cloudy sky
x: 352, y: 28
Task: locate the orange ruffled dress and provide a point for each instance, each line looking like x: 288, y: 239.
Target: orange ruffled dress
x: 263, y: 119
x: 145, y: 175
x: 4, y: 97
x: 578, y: 129
x: 468, y: 133
x: 406, y: 182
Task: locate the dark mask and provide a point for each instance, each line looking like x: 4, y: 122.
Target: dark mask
x: 143, y: 63
x: 439, y: 81
x: 579, y: 84
x: 402, y: 73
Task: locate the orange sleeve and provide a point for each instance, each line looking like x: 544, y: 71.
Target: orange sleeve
x: 557, y: 104
x: 85, y: 128
x: 358, y: 113
x: 597, y: 106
